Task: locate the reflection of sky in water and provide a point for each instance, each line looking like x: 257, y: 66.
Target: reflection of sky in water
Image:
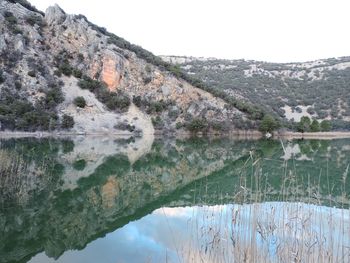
x: 170, y: 233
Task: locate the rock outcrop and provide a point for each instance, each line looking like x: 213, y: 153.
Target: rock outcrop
x: 55, y: 15
x: 112, y: 66
x: 39, y: 49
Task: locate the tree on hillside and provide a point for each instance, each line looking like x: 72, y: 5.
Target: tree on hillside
x: 315, y: 126
x: 80, y: 102
x: 197, y: 125
x: 304, y: 124
x: 268, y: 124
x: 326, y: 125
x: 67, y: 122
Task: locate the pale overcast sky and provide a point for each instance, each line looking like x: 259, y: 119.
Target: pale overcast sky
x: 268, y: 30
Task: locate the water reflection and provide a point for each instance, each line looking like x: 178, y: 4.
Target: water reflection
x: 60, y: 197
x: 267, y: 232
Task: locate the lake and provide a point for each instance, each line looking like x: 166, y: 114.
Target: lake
x: 95, y: 199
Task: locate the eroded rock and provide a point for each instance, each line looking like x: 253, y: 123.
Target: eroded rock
x: 54, y: 15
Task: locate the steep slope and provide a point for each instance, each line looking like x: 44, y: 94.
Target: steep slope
x: 318, y: 89
x: 47, y: 61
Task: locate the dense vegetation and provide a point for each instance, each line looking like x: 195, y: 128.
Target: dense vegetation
x: 308, y: 125
x: 17, y: 113
x: 271, y: 86
x: 29, y: 106
x: 268, y: 124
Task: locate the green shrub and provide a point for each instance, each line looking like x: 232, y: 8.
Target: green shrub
x: 80, y: 57
x: 268, y: 124
x: 304, y: 124
x: 79, y: 165
x: 20, y: 114
x: 18, y: 85
x: 19, y: 107
x: 10, y: 18
x: 2, y: 79
x: 12, y: 23
x: 315, y: 126
x: 173, y: 114
x: 157, y: 122
x: 35, y: 19
x: 197, y: 125
x: 53, y: 97
x: 113, y: 100
x: 326, y: 125
x: 67, y: 122
x: 156, y: 106
x: 31, y: 20
x: 16, y: 30
x: 39, y: 119
x: 176, y: 70
x: 178, y: 125
x: 219, y: 126
x: 80, y: 102
x: 32, y: 73
x: 148, y: 68
x: 66, y: 69
x: 124, y: 127
x: 146, y: 80
x: 67, y: 146
x: 5, y: 109
x: 91, y: 84
x: 77, y: 73
x: 137, y: 101
x: 57, y: 73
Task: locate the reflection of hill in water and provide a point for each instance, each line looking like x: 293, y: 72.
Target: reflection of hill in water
x: 316, y: 173
x: 73, y: 202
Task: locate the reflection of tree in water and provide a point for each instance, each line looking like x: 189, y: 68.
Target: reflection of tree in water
x: 194, y: 171
x: 262, y: 175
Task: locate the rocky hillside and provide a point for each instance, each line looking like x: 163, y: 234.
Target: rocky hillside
x: 318, y: 89
x: 61, y: 72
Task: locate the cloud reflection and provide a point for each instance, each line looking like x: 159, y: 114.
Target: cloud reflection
x: 221, y: 232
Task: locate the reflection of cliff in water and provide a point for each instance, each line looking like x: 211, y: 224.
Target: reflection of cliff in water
x: 99, y: 188
x: 68, y: 213
x: 299, y: 171
x: 29, y: 164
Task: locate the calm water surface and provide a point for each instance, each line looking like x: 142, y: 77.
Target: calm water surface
x: 87, y: 199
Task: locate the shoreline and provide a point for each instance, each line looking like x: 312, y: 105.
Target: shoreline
x: 313, y: 135
x: 249, y: 134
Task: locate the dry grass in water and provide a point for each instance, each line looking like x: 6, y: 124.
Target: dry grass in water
x: 294, y: 229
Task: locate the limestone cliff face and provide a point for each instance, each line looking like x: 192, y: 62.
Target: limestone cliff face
x: 112, y: 65
x: 93, y: 53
